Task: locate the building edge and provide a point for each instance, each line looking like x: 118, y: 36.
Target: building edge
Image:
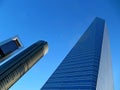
x: 105, y: 75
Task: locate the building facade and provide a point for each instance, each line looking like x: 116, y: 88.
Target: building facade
x: 9, y: 46
x: 15, y: 68
x: 88, y: 65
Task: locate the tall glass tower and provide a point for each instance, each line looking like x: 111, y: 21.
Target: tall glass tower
x: 88, y: 65
x: 16, y: 67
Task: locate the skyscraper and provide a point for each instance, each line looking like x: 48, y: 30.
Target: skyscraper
x: 88, y: 65
x: 15, y: 68
x: 8, y: 46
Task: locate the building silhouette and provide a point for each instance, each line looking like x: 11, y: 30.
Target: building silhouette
x: 88, y: 65
x: 9, y: 46
x: 15, y: 68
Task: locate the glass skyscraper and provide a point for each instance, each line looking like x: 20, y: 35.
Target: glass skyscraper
x: 16, y: 67
x: 88, y: 65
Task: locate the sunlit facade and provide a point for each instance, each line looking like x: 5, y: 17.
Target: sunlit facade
x: 88, y: 65
x: 15, y: 68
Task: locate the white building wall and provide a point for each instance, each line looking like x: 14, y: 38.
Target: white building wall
x: 105, y: 77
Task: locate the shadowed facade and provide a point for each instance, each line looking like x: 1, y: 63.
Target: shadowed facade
x: 8, y: 47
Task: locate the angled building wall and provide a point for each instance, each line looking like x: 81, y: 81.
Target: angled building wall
x: 105, y: 80
x: 9, y: 46
x: 16, y: 67
x: 81, y: 68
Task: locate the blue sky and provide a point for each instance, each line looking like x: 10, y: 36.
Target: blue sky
x: 60, y: 23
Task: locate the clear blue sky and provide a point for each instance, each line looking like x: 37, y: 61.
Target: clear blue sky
x: 61, y: 23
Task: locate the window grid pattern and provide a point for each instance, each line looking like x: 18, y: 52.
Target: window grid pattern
x: 79, y: 69
x: 15, y: 68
